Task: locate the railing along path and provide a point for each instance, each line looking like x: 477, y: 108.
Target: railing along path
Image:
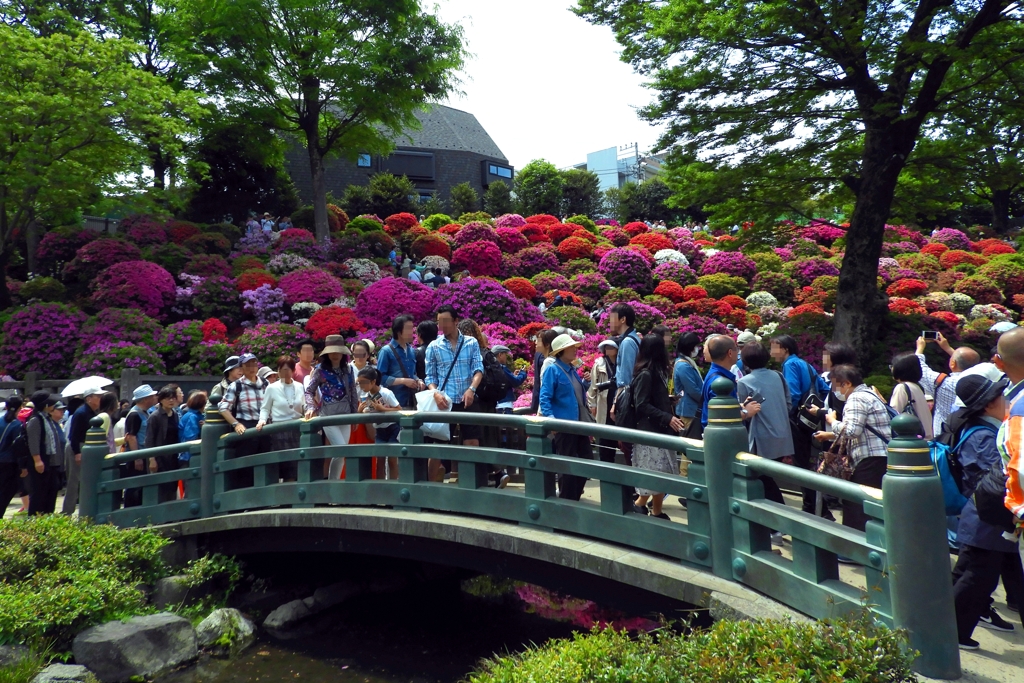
x: 726, y: 531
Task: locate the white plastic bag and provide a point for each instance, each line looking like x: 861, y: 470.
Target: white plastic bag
x: 435, y: 430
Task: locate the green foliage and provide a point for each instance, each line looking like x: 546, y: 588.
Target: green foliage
x: 43, y: 289
x: 720, y: 284
x: 385, y: 195
x: 229, y: 231
x: 824, y: 652
x: 481, y: 216
x: 644, y: 202
x: 572, y: 317
x: 463, y: 199
x: 435, y: 221
x: 23, y: 670
x: 59, y: 576
x: 218, y: 575
x: 767, y: 261
x: 581, y: 193
x: 590, y: 225
x: 498, y: 198
x: 538, y: 188
x: 884, y: 383
x: 431, y: 206
x: 171, y: 257
x: 364, y: 225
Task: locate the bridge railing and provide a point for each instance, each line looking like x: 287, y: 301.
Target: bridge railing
x: 726, y: 530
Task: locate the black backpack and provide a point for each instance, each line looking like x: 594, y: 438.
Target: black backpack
x: 495, y: 384
x: 625, y: 408
x: 990, y: 499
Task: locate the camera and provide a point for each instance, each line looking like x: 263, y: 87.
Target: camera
x: 604, y: 386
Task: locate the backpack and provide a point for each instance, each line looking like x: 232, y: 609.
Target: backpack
x: 625, y: 409
x: 946, y: 459
x: 990, y: 498
x: 495, y: 383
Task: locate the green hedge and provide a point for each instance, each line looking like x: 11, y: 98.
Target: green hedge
x: 729, y: 652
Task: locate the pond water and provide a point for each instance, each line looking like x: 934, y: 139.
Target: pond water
x: 435, y: 634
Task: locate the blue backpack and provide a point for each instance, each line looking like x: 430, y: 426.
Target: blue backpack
x: 951, y: 472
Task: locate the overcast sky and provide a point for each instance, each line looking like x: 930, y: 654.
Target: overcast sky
x: 545, y: 83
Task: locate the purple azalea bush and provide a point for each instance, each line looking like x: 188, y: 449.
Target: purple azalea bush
x: 732, y: 263
x: 179, y: 339
x: 590, y: 285
x: 627, y: 268
x: 475, y: 232
x: 952, y: 238
x: 41, y: 338
x: 121, y: 324
x: 700, y: 325
x: 135, y: 284
x: 647, y: 317
x: 381, y: 302
x: 547, y: 280
x: 109, y: 358
x: 485, y: 300
x: 310, y: 284
x: 805, y: 270
x: 270, y: 341
x: 673, y: 271
x: 255, y: 243
x: 266, y: 304
x: 509, y: 220
x: 511, y: 240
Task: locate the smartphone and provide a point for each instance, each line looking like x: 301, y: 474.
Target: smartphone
x: 930, y: 334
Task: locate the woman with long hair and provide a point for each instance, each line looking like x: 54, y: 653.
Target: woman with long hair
x: 688, y: 385
x: 332, y: 391
x: 654, y: 414
x: 908, y: 396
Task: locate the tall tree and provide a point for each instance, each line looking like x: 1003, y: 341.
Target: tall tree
x: 69, y: 104
x: 538, y: 188
x: 498, y: 198
x: 344, y: 76
x: 787, y: 81
x: 581, y: 193
x: 463, y: 199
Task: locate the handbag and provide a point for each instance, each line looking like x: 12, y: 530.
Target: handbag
x: 835, y: 462
x: 804, y: 417
x: 425, y: 401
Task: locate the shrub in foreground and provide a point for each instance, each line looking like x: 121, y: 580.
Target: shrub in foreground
x: 824, y: 652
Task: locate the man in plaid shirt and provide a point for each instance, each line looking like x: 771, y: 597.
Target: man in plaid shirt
x: 241, y: 407
x: 864, y: 430
x: 940, y: 385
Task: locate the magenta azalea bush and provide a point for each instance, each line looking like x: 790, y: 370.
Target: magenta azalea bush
x: 479, y: 258
x: 310, y: 284
x: 510, y: 220
x: 121, y: 324
x: 673, y: 271
x: 475, y: 232
x: 533, y: 260
x: 41, y: 338
x: 511, y: 240
x: 109, y: 358
x: 58, y: 247
x: 98, y: 255
x: 805, y: 271
x: 730, y: 263
x: 700, y: 325
x: 500, y: 333
x: 647, y: 317
x: 135, y: 284
x: 952, y: 238
x: 627, y: 268
x: 590, y: 285
x: 269, y: 341
x: 381, y: 302
x: 485, y: 301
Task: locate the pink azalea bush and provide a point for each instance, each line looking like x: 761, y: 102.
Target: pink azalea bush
x: 485, y: 300
x: 41, y: 338
x: 310, y: 284
x: 627, y: 268
x: 730, y: 263
x: 97, y: 255
x: 381, y: 302
x: 511, y: 240
x: 482, y: 257
x: 509, y: 220
x: 135, y: 284
x: 952, y: 238
x: 121, y: 324
x: 109, y: 358
x: 475, y: 232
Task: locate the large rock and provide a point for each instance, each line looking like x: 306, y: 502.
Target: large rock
x: 225, y: 632
x: 143, y: 646
x: 64, y: 673
x: 287, y: 615
x: 335, y: 594
x: 12, y: 654
x: 172, y: 591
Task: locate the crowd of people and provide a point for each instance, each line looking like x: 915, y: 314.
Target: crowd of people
x: 830, y: 421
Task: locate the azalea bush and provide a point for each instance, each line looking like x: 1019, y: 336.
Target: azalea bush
x: 96, y: 256
x: 216, y: 297
x: 590, y: 285
x: 626, y: 268
x: 481, y: 257
x: 334, y: 320
x: 135, y: 284
x: 265, y: 304
x: 571, y: 317
x: 41, y: 338
x: 270, y: 341
x: 379, y: 304
x: 109, y: 358
x: 310, y: 284
x: 430, y: 245
x: 178, y: 341
x: 731, y: 263
x: 521, y: 287
x: 485, y: 300
x: 121, y: 324
x: 534, y: 260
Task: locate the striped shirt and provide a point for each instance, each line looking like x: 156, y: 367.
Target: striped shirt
x: 863, y: 409
x: 944, y: 394
x: 441, y: 355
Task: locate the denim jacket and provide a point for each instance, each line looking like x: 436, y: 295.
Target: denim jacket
x: 687, y: 383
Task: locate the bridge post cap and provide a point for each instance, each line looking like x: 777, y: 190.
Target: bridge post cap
x: 906, y: 426
x: 722, y: 387
x: 96, y: 422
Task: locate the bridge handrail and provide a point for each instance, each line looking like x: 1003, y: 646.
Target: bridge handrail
x: 112, y: 459
x: 809, y: 479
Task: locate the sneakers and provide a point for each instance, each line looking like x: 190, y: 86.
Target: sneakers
x: 501, y: 479
x: 662, y: 516
x: 969, y: 644
x: 994, y: 622
x: 641, y: 510
x: 777, y: 538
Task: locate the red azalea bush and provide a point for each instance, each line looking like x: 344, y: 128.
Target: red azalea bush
x: 208, y: 265
x: 479, y: 258
x: 534, y: 233
x: 334, y: 320
x: 521, y: 287
x: 253, y: 279
x: 956, y: 257
x: 575, y: 247
x: 997, y: 248
x: 713, y: 308
x: 692, y: 292
x: 310, y: 284
x: 41, y: 338
x: 179, y: 231
x: 430, y: 245
x: 96, y: 256
x: 905, y: 307
x: 511, y: 240
x: 635, y: 228
x: 542, y: 219
x: 214, y: 330
x: 935, y: 249
x: 337, y: 219
x: 671, y: 290
x: 379, y: 303
x: 948, y: 317
x: 907, y: 288
x: 735, y: 301
x: 585, y: 234
x: 559, y: 231
x: 652, y: 242
x: 805, y: 308
x: 240, y: 264
x: 135, y: 284
x: 397, y: 223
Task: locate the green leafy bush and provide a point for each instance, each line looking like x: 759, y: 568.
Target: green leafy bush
x: 590, y: 225
x: 572, y: 317
x: 229, y: 230
x: 471, y: 216
x: 364, y: 225
x: 435, y: 221
x: 767, y: 261
x: 720, y: 284
x: 43, y: 289
x: 824, y: 652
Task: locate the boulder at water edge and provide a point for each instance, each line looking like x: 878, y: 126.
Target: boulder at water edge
x: 142, y: 646
x: 225, y: 632
x: 64, y: 673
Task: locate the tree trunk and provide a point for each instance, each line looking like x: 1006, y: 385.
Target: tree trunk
x: 316, y: 170
x: 5, y: 294
x: 159, y: 162
x: 31, y: 243
x: 1001, y: 211
x: 859, y: 304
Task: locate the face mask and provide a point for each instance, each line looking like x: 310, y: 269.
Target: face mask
x: 693, y: 354
x: 841, y: 394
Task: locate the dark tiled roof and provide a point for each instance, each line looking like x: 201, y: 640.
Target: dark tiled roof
x: 447, y: 128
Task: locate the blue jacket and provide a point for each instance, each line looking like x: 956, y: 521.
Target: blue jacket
x: 798, y: 374
x: 557, y: 393
x: 626, y: 359
x: 189, y: 429
x: 706, y: 393
x: 977, y: 455
x: 686, y: 382
x: 390, y: 370
x: 9, y: 431
x: 516, y: 379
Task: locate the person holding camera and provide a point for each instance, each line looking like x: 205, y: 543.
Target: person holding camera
x: 601, y: 394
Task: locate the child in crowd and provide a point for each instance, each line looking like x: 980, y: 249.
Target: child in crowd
x: 381, y: 400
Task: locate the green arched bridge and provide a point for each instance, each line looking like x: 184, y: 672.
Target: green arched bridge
x: 719, y: 556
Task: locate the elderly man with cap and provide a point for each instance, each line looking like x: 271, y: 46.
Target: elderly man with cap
x: 601, y: 393
x: 745, y: 337
x: 982, y: 546
x: 76, y: 436
x: 942, y: 386
x: 562, y: 397
x: 232, y: 371
x: 240, y: 407
x: 136, y: 427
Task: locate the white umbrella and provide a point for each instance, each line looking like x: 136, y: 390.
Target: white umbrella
x: 79, y: 385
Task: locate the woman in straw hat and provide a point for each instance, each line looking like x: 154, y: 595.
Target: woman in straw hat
x: 562, y: 397
x: 332, y: 387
